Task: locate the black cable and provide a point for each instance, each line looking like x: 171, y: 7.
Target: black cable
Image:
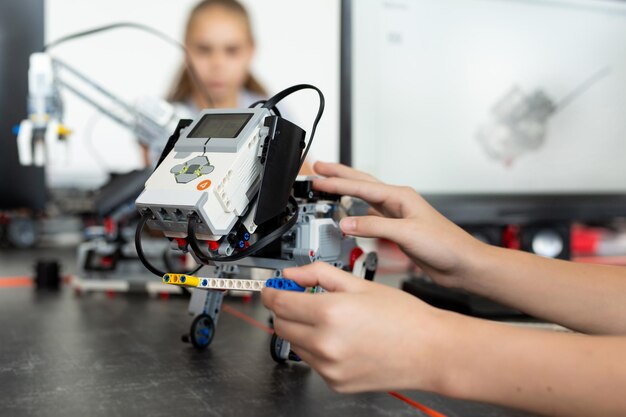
x: 272, y: 101
x: 105, y: 28
x: 256, y: 103
x: 251, y: 250
x: 88, y: 139
x: 583, y: 87
x: 147, y: 29
x: 192, y: 222
x: 142, y: 257
x: 274, y: 109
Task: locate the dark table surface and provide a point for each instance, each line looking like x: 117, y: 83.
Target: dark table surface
x: 68, y: 355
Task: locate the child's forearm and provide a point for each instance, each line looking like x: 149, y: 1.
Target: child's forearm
x: 587, y: 298
x: 549, y: 373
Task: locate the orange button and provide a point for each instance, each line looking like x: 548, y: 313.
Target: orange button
x: 204, y: 185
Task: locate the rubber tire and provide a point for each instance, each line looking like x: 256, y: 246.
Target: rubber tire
x: 199, y: 340
x: 22, y: 232
x: 274, y: 350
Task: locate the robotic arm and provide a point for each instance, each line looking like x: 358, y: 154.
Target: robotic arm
x: 149, y: 118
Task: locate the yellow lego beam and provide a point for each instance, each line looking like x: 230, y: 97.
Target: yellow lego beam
x: 181, y: 280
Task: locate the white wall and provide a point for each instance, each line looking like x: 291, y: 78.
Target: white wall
x: 297, y: 41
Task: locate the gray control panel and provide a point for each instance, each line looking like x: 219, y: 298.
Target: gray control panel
x: 220, y: 131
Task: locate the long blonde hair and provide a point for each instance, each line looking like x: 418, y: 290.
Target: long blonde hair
x: 184, y: 84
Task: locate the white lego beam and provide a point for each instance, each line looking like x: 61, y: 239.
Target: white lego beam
x: 214, y: 283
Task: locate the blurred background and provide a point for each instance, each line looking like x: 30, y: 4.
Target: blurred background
x: 132, y: 64
x: 508, y: 115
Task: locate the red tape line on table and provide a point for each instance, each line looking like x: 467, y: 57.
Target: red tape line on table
x: 15, y: 282
x: 240, y: 315
x: 428, y: 411
x: 234, y: 312
x: 12, y: 282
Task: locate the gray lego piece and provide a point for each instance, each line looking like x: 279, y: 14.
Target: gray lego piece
x: 213, y: 304
x: 188, y: 144
x: 175, y: 208
x: 285, y: 348
x: 330, y: 241
x: 263, y: 263
x: 192, y: 169
x: 197, y: 301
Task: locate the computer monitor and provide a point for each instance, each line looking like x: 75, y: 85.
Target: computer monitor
x: 487, y: 97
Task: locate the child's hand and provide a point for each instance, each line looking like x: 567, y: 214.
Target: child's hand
x: 445, y: 251
x: 358, y: 335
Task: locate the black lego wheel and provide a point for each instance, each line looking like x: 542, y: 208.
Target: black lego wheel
x: 276, y: 346
x: 202, y: 331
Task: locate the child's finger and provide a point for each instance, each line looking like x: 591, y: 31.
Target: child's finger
x: 331, y: 169
x: 304, y: 354
x: 373, y: 212
x: 394, y: 200
x: 298, y: 307
x: 375, y: 226
x: 297, y: 334
x: 326, y: 276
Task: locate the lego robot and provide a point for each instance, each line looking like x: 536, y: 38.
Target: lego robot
x: 226, y: 191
